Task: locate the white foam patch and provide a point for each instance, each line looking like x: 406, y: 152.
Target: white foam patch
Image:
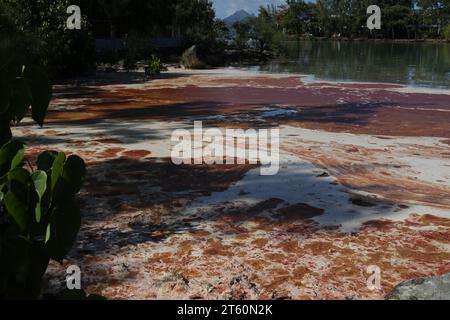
x: 297, y: 182
x: 153, y: 136
x: 423, y: 166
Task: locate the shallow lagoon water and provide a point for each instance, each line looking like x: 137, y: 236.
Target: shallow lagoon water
x: 413, y: 64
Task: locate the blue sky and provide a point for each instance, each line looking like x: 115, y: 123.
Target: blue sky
x: 225, y: 8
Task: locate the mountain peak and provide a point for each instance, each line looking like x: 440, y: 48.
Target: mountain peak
x: 238, y: 16
x: 242, y: 12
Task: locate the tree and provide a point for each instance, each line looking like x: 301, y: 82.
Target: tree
x: 359, y: 17
x: 114, y: 10
x: 195, y: 20
x: 447, y: 32
x: 191, y: 20
x: 221, y: 33
x: 40, y: 31
x: 264, y: 28
x: 242, y: 38
x: 322, y: 11
x: 298, y: 17
x: 397, y: 19
x: 434, y: 16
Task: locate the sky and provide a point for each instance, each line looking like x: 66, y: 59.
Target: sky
x: 225, y: 8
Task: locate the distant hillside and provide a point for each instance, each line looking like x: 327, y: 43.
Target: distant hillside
x: 238, y: 16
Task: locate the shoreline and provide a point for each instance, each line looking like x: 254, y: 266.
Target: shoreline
x: 375, y: 40
x: 311, y: 79
x: 233, y: 71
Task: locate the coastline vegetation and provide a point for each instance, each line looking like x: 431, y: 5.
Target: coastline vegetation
x: 341, y: 20
x: 137, y: 30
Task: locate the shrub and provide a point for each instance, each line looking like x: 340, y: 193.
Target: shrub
x: 39, y: 217
x: 154, y: 66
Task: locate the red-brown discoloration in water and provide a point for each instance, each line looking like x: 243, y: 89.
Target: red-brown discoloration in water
x: 358, y: 108
x: 138, y: 242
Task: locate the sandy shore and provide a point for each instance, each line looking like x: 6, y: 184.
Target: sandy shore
x: 364, y: 180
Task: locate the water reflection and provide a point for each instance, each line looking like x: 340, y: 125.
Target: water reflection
x: 415, y: 64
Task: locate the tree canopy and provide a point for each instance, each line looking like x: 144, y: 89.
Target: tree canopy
x: 404, y: 19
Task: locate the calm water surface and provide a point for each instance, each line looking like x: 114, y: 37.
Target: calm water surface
x: 414, y: 64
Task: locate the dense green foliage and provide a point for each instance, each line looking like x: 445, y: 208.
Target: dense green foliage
x: 38, y: 28
x: 193, y: 22
x: 21, y: 87
x: 405, y: 19
x: 141, y: 23
x: 39, y: 218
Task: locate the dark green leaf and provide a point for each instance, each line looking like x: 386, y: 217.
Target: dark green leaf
x: 40, y: 184
x: 19, y: 183
x: 45, y: 160
x: 38, y: 212
x: 18, y: 210
x: 65, y: 224
x: 57, y: 169
x: 21, y: 99
x: 7, y: 154
x: 47, y: 233
x: 74, y: 174
x: 16, y: 252
x: 21, y: 199
x: 41, y: 92
x: 38, y: 267
x: 18, y: 158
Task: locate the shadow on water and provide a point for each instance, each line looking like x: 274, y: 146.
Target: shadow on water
x: 148, y: 200
x: 133, y: 125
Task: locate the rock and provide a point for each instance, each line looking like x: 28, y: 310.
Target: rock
x: 362, y: 203
x: 435, y: 288
x: 241, y: 288
x: 191, y: 59
x: 195, y: 58
x: 299, y: 212
x: 323, y: 175
x: 243, y: 193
